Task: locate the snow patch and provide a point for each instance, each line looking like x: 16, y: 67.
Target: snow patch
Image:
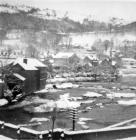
x: 3, y: 102
x: 39, y: 120
x: 92, y: 95
x: 127, y: 102
x: 121, y: 95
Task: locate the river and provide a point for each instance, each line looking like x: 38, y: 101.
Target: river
x: 87, y: 39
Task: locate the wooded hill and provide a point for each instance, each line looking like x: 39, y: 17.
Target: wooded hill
x: 13, y: 17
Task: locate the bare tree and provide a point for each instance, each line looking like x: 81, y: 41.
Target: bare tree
x: 9, y: 51
x: 30, y: 38
x: 50, y: 41
x: 31, y: 51
x: 2, y: 35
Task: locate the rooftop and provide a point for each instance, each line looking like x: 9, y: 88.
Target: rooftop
x: 19, y: 76
x: 29, y: 63
x: 128, y: 59
x: 63, y: 55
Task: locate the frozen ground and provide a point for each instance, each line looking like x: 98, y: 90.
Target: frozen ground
x: 94, y: 112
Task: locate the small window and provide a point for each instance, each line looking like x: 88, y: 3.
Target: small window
x: 131, y: 63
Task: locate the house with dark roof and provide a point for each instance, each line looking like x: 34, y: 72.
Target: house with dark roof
x: 31, y: 72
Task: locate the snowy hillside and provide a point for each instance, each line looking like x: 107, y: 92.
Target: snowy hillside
x: 40, y: 13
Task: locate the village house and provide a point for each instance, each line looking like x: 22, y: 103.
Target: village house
x: 107, y: 66
x: 31, y: 72
x: 90, y: 59
x: 85, y: 63
x: 129, y: 62
x: 14, y: 34
x: 63, y: 59
x: 74, y: 59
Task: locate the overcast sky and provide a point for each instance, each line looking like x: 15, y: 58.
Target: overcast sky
x: 78, y: 9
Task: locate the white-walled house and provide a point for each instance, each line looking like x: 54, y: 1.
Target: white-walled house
x: 62, y: 58
x: 129, y: 62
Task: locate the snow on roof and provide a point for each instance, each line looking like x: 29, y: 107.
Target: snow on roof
x: 19, y: 76
x: 114, y: 63
x: 25, y: 66
x: 91, y: 57
x: 63, y: 55
x: 1, y: 81
x: 128, y: 59
x: 36, y: 63
x: 31, y: 64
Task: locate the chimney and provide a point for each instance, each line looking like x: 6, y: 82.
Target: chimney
x: 25, y: 60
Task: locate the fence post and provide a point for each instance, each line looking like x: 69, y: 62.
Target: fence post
x: 62, y: 135
x: 50, y: 135
x: 18, y: 133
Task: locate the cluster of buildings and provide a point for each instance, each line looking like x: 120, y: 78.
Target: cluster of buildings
x: 129, y: 62
x: 69, y: 58
x: 32, y: 74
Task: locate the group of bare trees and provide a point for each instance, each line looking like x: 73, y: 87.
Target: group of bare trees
x: 40, y: 42
x: 103, y: 48
x: 114, y: 23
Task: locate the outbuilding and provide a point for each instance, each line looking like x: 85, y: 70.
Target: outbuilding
x: 32, y: 71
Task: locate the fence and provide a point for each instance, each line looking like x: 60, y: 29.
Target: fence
x: 109, y: 133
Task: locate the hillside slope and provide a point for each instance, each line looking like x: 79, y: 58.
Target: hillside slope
x: 26, y: 17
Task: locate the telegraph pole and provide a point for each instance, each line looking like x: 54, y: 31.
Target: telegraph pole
x: 53, y: 121
x: 73, y: 116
